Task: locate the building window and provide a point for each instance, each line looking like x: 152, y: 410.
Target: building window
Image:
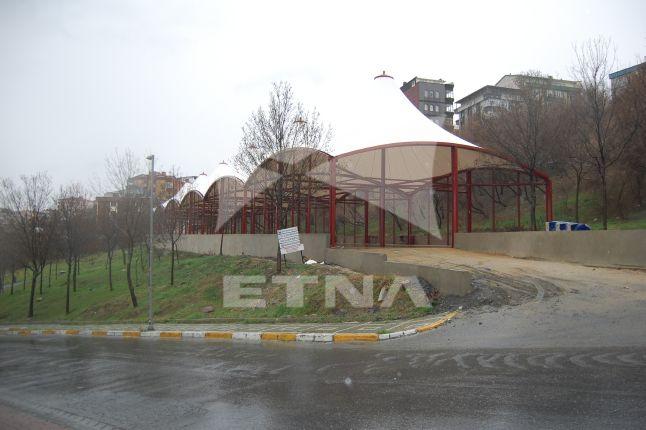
x: 437, y: 108
x: 437, y: 94
x: 425, y: 94
x: 425, y: 107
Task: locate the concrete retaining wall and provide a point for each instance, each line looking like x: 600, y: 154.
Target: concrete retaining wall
x: 448, y: 282
x: 612, y: 248
x: 255, y: 245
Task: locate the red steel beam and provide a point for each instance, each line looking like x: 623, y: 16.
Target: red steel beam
x: 333, y: 203
x: 382, y: 201
x: 469, y: 202
x: 454, y: 186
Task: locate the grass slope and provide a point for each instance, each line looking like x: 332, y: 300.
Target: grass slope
x: 198, y: 282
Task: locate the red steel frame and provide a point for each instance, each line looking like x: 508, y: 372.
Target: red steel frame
x: 201, y: 212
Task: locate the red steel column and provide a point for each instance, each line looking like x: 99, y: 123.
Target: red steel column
x: 265, y: 213
x: 518, y: 200
x: 382, y: 201
x: 244, y: 211
x: 308, y: 203
x: 253, y: 211
x: 308, y: 213
x: 493, y: 200
x: 548, y: 200
x: 333, y: 203
x: 428, y: 211
x: 366, y: 231
x: 469, y: 202
x: 454, y: 187
x: 410, y: 226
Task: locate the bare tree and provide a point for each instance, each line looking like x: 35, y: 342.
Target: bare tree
x: 529, y: 130
x: 130, y: 211
x: 72, y: 209
x: 630, y: 97
x: 283, y: 124
x: 109, y: 233
x: 28, y: 216
x: 5, y: 255
x: 575, y: 166
x: 169, y: 220
x: 603, y: 136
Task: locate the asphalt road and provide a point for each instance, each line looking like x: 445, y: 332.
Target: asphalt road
x: 152, y: 384
x: 576, y: 359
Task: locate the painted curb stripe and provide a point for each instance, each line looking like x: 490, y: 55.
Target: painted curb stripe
x: 130, y: 334
x: 356, y: 337
x: 287, y: 337
x: 268, y: 336
x: 170, y: 334
x: 218, y: 335
x: 437, y: 323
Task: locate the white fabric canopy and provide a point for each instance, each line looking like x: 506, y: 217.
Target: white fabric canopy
x: 379, y: 114
x: 203, y: 182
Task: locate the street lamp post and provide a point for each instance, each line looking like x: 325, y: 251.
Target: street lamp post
x: 151, y: 159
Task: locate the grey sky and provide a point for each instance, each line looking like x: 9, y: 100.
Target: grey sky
x: 79, y: 78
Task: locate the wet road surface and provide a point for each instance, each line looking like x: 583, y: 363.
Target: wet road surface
x: 152, y: 384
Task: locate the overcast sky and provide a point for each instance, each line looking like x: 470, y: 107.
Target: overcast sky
x: 80, y: 78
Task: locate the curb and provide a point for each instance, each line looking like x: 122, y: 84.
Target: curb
x: 233, y: 335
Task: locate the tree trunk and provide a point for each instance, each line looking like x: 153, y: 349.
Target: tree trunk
x: 13, y: 279
x: 576, y: 197
x: 604, y: 202
x: 110, y: 271
x: 34, y: 279
x: 56, y: 270
x: 279, y: 217
x: 40, y: 288
x: 49, y: 279
x: 74, y: 275
x: 67, y: 289
x: 78, y: 265
x: 24, y: 279
x: 131, y: 288
x: 172, y: 264
x: 532, y: 202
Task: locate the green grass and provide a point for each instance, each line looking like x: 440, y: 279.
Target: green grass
x: 563, y: 211
x: 198, y: 283
x: 589, y: 214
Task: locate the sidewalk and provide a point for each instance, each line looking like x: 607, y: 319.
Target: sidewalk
x: 305, y: 332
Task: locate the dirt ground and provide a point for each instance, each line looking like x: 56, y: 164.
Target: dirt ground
x: 540, y: 303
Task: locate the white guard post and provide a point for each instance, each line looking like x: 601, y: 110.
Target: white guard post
x: 289, y: 241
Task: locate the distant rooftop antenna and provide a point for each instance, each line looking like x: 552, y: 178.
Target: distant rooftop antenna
x: 300, y: 121
x: 383, y: 75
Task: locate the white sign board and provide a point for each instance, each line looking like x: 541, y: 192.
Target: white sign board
x: 289, y: 241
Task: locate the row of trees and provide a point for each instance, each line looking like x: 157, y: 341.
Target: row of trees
x: 593, y: 137
x: 39, y: 226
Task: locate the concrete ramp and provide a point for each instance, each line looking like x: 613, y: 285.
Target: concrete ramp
x: 448, y: 281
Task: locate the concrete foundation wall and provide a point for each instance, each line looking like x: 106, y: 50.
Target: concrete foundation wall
x: 448, y: 282
x: 612, y: 248
x: 255, y: 245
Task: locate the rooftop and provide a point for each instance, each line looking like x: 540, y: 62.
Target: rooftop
x: 626, y: 71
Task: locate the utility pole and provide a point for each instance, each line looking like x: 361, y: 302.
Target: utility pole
x: 151, y: 159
